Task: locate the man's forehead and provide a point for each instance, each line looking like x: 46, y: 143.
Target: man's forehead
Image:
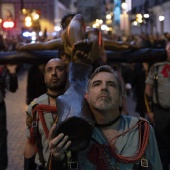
x: 54, y: 63
x: 104, y: 76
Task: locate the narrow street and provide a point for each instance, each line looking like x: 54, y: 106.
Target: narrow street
x: 16, y: 118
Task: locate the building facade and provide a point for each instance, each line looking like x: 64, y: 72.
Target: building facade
x: 158, y: 20
x: 49, y: 12
x: 91, y: 10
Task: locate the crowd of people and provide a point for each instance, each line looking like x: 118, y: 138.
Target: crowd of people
x: 117, y: 140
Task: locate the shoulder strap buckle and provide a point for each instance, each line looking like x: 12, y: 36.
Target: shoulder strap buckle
x: 34, y: 124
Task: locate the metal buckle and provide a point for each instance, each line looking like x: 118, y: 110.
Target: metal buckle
x: 34, y: 124
x: 73, y: 165
x: 144, y: 162
x: 155, y: 77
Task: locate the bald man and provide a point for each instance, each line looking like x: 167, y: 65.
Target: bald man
x: 37, y: 130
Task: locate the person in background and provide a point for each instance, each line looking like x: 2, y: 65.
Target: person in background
x: 2, y: 44
x: 139, y: 75
x: 157, y: 98
x: 8, y: 81
x: 35, y: 82
x: 44, y: 108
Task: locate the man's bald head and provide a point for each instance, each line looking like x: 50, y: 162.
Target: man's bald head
x: 54, y: 60
x: 55, y: 74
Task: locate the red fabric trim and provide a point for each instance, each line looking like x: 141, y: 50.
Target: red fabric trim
x: 40, y: 109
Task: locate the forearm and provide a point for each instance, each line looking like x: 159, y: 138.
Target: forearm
x: 56, y: 44
x: 138, y: 55
x: 29, y: 156
x: 148, y: 103
x: 31, y: 46
x: 30, y: 150
x: 49, y: 45
x: 113, y: 45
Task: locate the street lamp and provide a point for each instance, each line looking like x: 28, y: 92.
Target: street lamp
x: 98, y: 23
x: 124, y: 6
x: 8, y: 24
x: 108, y: 16
x: 146, y: 15
x: 161, y: 19
x: 0, y: 24
x: 28, y: 21
x: 124, y: 19
x: 146, y: 18
x: 139, y: 18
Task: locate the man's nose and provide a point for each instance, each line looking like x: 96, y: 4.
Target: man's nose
x: 54, y: 72
x: 104, y: 86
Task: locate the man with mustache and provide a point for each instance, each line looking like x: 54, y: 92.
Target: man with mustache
x: 118, y: 141
x: 42, y: 113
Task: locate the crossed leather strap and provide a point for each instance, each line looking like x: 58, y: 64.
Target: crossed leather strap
x: 40, y: 109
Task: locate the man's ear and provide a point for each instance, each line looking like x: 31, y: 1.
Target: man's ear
x: 86, y: 95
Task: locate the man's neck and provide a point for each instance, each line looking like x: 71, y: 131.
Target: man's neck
x: 53, y: 96
x: 105, y: 117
